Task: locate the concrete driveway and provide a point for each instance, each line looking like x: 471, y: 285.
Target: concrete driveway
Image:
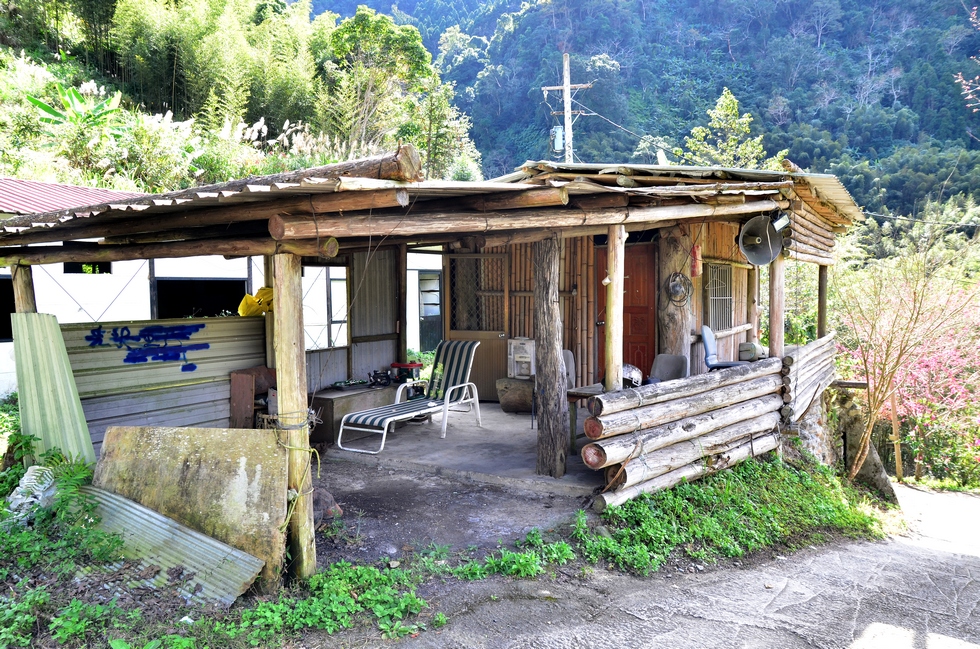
x: 920, y: 591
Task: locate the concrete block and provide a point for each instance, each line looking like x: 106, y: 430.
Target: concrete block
x: 228, y: 483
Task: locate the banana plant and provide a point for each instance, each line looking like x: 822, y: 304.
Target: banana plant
x: 79, y: 110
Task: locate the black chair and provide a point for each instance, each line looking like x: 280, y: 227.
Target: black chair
x: 711, y: 351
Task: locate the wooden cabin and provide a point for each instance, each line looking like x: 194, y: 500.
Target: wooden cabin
x: 616, y: 263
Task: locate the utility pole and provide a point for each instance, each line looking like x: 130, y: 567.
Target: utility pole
x: 566, y: 89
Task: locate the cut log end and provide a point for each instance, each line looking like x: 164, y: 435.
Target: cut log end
x: 594, y: 456
x: 593, y: 428
x: 614, y: 476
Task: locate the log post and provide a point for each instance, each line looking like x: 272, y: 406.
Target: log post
x: 402, y: 326
x: 752, y: 290
x: 616, y: 257
x: 293, y: 409
x: 777, y: 275
x: 550, y: 381
x: 23, y: 281
x: 675, y: 319
x: 821, y: 301
x: 270, y: 324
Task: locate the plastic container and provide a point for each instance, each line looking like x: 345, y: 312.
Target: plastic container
x: 406, y: 371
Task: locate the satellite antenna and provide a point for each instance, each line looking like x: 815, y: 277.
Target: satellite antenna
x: 759, y: 239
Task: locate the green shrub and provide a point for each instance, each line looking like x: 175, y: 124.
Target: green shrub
x: 754, y: 505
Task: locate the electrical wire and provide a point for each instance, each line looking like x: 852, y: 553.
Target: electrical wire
x: 603, y: 117
x: 914, y: 220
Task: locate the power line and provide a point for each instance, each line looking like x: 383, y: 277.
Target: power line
x: 595, y: 114
x: 914, y: 220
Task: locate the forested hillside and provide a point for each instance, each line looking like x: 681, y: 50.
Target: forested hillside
x: 866, y: 90
x: 863, y: 89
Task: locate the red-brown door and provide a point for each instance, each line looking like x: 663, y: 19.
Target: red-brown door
x: 639, y: 306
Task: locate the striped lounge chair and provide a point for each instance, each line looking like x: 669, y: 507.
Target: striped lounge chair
x: 449, y: 387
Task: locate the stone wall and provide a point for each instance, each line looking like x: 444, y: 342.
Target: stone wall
x: 815, y: 433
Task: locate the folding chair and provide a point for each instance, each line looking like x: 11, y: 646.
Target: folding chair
x: 449, y: 387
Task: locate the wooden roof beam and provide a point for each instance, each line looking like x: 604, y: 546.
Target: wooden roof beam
x: 303, y: 226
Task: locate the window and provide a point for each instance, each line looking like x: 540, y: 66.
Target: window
x: 199, y: 298
x: 94, y: 268
x: 718, y: 301
x: 430, y: 313
x: 325, y: 307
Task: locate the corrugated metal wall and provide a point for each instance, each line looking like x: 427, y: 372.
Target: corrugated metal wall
x: 324, y: 367
x: 107, y: 358
x: 373, y: 311
x: 160, y: 372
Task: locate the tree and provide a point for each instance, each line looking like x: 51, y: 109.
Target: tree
x: 891, y: 309
x: 725, y: 142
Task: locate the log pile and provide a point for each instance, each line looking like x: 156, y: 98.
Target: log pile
x: 809, y: 238
x: 650, y: 438
x: 807, y: 372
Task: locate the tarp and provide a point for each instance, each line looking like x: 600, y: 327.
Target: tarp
x: 49, y: 405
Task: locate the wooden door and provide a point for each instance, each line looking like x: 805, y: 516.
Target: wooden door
x: 639, y: 306
x: 477, y: 299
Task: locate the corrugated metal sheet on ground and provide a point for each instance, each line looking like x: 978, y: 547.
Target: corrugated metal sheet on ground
x: 233, y: 343
x: 49, y: 405
x: 221, y: 572
x: 200, y: 405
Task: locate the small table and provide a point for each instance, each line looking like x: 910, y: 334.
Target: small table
x: 574, y: 395
x: 334, y: 404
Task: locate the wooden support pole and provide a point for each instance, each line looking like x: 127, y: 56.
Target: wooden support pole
x: 821, y: 301
x: 777, y: 279
x: 752, y: 299
x: 675, y: 319
x: 616, y: 256
x: 23, y: 281
x: 550, y: 380
x: 293, y: 408
x: 896, y: 436
x: 402, y: 303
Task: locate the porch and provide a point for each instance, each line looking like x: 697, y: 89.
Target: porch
x: 503, y: 452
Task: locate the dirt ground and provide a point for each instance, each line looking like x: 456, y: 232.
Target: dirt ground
x: 917, y: 591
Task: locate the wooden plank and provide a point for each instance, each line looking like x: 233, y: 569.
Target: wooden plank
x: 242, y: 406
x: 821, y: 301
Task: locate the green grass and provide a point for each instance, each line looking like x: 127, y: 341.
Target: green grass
x: 757, y: 504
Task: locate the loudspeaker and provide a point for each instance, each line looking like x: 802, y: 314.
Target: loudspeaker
x: 759, y: 241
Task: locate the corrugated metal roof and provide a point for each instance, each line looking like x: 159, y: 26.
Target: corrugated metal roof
x: 49, y: 405
x: 30, y: 196
x: 827, y: 187
x: 212, y: 571
x: 820, y: 190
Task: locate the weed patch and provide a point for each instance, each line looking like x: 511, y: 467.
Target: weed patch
x: 754, y: 505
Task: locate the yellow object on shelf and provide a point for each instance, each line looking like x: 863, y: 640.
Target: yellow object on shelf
x: 260, y: 304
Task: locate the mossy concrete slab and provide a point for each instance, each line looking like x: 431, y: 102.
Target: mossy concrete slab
x: 227, y: 483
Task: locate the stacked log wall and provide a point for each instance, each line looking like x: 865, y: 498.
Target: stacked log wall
x: 650, y: 438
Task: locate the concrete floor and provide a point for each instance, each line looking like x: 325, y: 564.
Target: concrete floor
x: 502, y: 452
